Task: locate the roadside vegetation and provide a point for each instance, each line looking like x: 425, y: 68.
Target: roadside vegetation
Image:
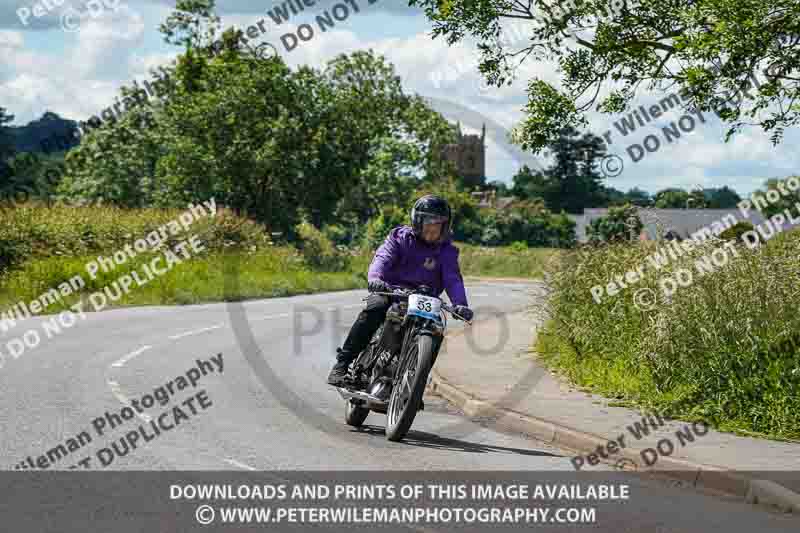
x: 725, y: 345
x: 42, y: 247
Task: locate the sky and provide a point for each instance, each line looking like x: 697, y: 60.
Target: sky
x: 71, y: 57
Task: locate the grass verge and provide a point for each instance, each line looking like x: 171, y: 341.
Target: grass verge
x: 721, y: 349
x: 43, y: 247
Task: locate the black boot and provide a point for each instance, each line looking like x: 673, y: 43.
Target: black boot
x: 339, y: 376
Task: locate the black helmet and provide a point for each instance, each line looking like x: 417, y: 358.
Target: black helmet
x: 431, y: 209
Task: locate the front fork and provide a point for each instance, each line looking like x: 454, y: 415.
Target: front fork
x: 414, y: 327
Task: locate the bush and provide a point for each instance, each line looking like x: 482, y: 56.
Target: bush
x: 526, y: 222
x: 518, y: 246
x: 29, y: 231
x: 379, y: 227
x: 621, y: 224
x: 735, y: 232
x: 318, y: 251
x: 338, y: 235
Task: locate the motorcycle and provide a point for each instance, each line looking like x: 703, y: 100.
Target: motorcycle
x: 393, y: 369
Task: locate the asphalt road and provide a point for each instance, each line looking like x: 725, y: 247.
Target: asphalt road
x: 270, y: 408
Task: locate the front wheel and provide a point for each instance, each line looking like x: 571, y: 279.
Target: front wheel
x: 407, y: 392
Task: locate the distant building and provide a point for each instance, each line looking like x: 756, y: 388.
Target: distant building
x: 674, y: 223
x: 468, y: 155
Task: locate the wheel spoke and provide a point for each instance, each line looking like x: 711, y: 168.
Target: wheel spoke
x: 406, y: 387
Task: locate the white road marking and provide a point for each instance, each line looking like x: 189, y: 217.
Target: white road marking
x: 238, y: 464
x: 119, y: 362
x: 345, y: 307
x: 196, y: 331
x: 267, y: 317
x: 480, y: 294
x: 117, y: 391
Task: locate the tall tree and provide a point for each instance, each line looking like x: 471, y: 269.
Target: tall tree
x: 708, y: 49
x: 572, y: 182
x: 6, y: 153
x: 6, y: 140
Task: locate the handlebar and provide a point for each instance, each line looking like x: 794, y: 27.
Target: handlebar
x: 402, y: 292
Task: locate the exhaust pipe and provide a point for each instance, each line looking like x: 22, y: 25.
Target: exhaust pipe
x: 358, y: 395
x: 372, y: 402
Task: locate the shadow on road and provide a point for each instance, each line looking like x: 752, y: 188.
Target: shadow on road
x: 423, y: 439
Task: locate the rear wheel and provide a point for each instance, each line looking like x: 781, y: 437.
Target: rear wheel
x: 407, y: 392
x: 355, y: 414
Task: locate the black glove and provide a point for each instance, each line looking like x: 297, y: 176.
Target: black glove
x: 377, y: 285
x: 463, y: 311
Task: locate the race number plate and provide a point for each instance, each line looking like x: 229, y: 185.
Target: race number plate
x: 424, y: 306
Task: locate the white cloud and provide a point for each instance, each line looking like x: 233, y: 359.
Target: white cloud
x: 11, y: 39
x: 77, y: 75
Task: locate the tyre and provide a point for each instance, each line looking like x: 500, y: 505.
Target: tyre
x: 407, y: 392
x: 355, y: 414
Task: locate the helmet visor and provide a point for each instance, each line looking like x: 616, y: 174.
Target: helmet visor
x: 432, y: 218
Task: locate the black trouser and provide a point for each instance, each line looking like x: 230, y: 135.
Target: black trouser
x: 365, y: 326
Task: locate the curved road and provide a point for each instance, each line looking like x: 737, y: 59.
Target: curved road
x: 277, y: 414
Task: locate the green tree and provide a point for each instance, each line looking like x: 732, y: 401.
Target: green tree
x: 784, y: 202
x: 697, y: 199
x: 6, y: 152
x: 400, y: 133
x: 612, y: 196
x: 529, y: 184
x: 707, y: 49
x: 500, y: 188
x: 379, y: 227
x: 20, y: 173
x: 723, y: 198
x: 263, y: 139
x: 572, y: 182
x: 6, y: 139
x: 638, y: 197
x: 671, y: 198
x: 192, y: 24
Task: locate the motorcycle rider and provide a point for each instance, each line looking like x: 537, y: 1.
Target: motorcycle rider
x: 420, y: 254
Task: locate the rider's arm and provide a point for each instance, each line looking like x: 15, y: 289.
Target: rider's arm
x: 386, y: 256
x: 451, y: 276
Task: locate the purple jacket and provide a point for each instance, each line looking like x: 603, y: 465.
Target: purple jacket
x: 405, y: 261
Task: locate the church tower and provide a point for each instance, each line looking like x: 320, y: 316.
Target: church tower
x: 468, y: 155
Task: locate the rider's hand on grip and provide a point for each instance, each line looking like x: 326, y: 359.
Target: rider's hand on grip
x: 377, y: 285
x: 464, y: 312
